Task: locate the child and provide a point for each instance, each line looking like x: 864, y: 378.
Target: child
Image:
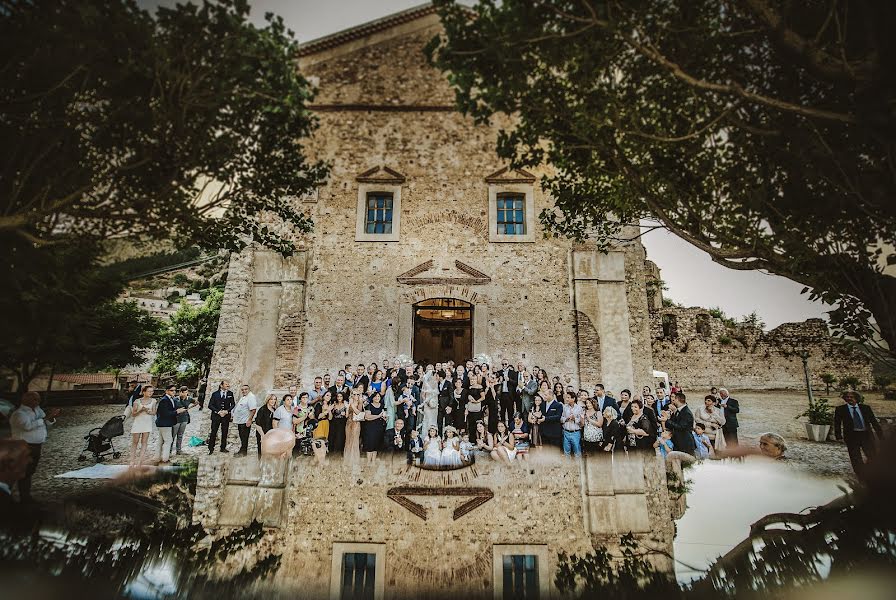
x: 704, y: 446
x: 415, y: 447
x: 466, y: 449
x: 664, y: 443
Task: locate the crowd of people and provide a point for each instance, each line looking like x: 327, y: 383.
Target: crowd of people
x: 447, y: 414
x: 437, y: 416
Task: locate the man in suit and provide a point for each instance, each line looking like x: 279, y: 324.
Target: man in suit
x: 221, y: 404
x: 662, y: 402
x: 856, y: 424
x: 397, y: 440
x: 602, y: 401
x: 340, y: 386
x: 731, y: 408
x: 552, y: 428
x: 166, y: 419
x: 448, y: 407
x: 507, y: 382
x: 681, y: 424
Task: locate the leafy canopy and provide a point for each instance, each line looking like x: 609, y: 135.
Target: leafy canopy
x: 187, y: 123
x: 59, y: 311
x: 186, y: 343
x: 761, y: 131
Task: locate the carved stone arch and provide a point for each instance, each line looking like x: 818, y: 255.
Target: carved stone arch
x: 418, y: 293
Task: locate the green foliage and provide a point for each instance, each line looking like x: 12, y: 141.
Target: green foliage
x: 184, y: 124
x: 59, y: 311
x: 881, y: 381
x: 829, y: 379
x: 849, y: 381
x: 670, y: 303
x: 818, y: 413
x: 180, y: 279
x: 186, y: 343
x: 752, y: 320
x: 676, y: 485
x: 759, y: 132
x: 725, y: 340
x: 718, y: 313
x: 599, y: 574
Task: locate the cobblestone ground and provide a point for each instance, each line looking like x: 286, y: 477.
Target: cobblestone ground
x: 66, y: 441
x: 775, y: 411
x: 760, y: 412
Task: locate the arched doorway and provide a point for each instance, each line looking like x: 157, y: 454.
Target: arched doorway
x: 443, y: 330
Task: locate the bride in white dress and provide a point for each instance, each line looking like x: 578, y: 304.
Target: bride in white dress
x: 432, y: 447
x: 429, y: 397
x: 451, y: 448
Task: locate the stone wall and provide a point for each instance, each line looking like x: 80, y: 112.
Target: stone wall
x: 431, y: 528
x: 387, y: 120
x: 699, y: 351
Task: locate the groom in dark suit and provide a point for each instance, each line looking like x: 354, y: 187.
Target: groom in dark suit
x: 681, y: 424
x: 221, y: 404
x: 856, y: 424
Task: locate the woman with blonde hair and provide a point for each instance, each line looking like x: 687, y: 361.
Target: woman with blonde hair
x: 142, y: 411
x: 614, y: 433
x: 356, y: 414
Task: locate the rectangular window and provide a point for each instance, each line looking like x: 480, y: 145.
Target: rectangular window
x: 358, y: 576
x: 511, y: 214
x: 521, y: 577
x: 379, y: 213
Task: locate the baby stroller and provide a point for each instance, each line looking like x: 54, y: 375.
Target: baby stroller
x: 306, y: 442
x: 99, y: 440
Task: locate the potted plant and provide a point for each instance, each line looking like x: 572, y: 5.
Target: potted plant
x: 820, y: 418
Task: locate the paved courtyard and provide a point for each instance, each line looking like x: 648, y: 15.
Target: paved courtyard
x: 760, y: 412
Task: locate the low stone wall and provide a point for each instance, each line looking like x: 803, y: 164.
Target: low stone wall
x: 700, y: 351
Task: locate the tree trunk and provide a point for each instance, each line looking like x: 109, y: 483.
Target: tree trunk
x: 50, y: 378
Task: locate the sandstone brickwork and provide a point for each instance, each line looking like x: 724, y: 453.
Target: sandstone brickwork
x: 432, y: 529
x: 386, y: 120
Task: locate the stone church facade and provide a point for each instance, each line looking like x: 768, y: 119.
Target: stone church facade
x: 425, y: 245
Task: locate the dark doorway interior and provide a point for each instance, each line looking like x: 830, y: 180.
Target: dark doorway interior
x: 443, y: 330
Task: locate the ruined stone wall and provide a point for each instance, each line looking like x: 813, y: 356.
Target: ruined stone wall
x: 701, y: 351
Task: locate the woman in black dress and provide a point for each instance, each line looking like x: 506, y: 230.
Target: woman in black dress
x: 264, y: 419
x: 373, y: 429
x: 641, y: 427
x: 338, y: 418
x: 614, y: 433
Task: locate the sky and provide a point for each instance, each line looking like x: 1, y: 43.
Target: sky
x: 691, y: 277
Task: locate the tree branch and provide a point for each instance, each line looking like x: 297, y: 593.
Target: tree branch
x: 735, y: 89
x: 814, y: 57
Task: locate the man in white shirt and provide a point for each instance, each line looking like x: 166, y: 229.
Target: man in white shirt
x: 29, y: 423
x: 243, y: 414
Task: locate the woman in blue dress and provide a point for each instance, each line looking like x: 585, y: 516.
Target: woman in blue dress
x: 377, y: 384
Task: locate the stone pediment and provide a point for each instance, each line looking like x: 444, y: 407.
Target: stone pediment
x: 383, y: 175
x: 428, y: 274
x: 508, y: 175
x: 476, y: 497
